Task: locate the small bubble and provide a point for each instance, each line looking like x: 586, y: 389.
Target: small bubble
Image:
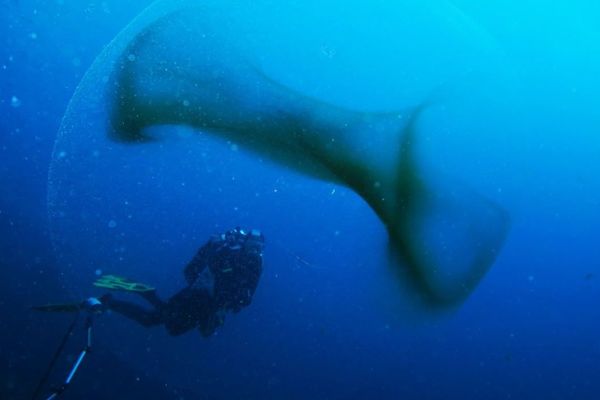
x: 98, y: 272
x: 186, y: 103
x: 131, y: 57
x: 377, y: 184
x: 62, y: 154
x: 33, y: 35
x: 15, y: 102
x: 112, y: 223
x: 234, y: 147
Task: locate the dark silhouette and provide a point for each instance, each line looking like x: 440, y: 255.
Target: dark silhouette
x: 221, y: 277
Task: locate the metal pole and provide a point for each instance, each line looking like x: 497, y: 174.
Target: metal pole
x: 57, y: 392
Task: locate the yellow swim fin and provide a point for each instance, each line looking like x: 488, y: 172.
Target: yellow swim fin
x: 114, y: 282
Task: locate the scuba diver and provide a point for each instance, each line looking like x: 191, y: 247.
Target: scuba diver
x: 222, y: 277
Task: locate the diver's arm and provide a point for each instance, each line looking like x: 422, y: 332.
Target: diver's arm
x: 199, y: 262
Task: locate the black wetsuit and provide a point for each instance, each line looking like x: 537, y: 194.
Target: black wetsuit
x: 221, y: 277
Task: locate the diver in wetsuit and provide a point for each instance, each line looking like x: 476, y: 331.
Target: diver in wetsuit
x: 222, y: 277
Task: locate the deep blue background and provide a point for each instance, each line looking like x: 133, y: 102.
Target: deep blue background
x: 333, y: 329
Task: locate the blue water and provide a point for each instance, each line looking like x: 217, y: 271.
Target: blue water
x: 335, y: 325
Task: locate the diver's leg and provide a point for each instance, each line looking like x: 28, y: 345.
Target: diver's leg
x: 136, y: 313
x: 211, y: 322
x: 185, y: 309
x: 152, y: 298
